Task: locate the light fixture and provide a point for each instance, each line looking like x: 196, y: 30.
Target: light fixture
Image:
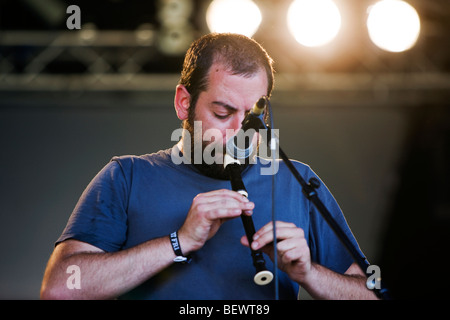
x: 313, y: 23
x: 393, y: 25
x: 235, y: 16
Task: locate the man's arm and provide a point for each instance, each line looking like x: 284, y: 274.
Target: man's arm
x: 294, y: 258
x: 103, y: 275
x: 107, y: 275
x: 326, y: 284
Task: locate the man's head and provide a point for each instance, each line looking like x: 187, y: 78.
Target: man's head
x: 239, y: 54
x: 223, y: 76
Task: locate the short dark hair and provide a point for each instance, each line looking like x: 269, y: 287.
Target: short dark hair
x: 240, y: 54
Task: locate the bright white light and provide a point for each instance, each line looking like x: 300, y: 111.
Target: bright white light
x: 235, y: 16
x: 393, y: 25
x: 314, y: 23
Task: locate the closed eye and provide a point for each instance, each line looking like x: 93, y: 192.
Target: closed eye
x: 222, y: 110
x: 221, y: 117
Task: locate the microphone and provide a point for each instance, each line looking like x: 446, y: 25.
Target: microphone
x: 240, y: 146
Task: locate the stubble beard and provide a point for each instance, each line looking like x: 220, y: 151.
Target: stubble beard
x: 214, y: 170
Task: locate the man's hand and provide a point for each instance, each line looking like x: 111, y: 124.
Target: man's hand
x: 292, y: 248
x: 294, y: 258
x: 208, y: 211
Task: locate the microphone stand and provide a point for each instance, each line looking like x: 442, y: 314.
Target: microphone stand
x: 309, y: 190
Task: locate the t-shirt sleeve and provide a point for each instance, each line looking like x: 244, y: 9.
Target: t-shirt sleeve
x: 325, y: 247
x: 100, y: 216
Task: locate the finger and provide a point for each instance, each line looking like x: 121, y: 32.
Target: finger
x: 219, y: 198
x: 223, y: 197
x: 226, y: 203
x: 244, y: 240
x: 219, y: 194
x: 266, y: 249
x: 225, y: 208
x: 290, y: 256
x: 269, y: 228
x: 291, y: 244
x: 295, y: 251
x: 282, y: 233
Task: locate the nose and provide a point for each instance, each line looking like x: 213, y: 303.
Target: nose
x: 237, y: 120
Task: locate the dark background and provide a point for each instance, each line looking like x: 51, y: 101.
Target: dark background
x: 374, y: 125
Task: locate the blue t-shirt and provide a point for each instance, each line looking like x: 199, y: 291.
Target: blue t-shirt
x: 137, y: 198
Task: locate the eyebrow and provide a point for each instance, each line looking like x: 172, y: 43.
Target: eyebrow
x: 227, y: 106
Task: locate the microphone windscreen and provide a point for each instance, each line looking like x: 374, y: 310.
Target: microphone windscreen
x: 259, y: 106
x: 236, y: 152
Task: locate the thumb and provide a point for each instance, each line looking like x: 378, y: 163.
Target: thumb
x: 244, y: 241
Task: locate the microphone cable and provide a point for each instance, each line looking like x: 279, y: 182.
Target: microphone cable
x: 272, y: 147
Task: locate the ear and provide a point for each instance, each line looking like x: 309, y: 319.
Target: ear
x: 181, y: 102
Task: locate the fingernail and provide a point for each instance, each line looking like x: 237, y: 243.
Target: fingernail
x: 255, y: 245
x: 256, y: 236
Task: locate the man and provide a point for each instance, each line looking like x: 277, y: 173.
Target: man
x: 141, y: 216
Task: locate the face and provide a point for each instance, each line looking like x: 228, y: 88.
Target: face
x: 223, y: 106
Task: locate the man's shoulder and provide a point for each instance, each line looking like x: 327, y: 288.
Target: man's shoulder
x: 280, y: 166
x: 156, y: 158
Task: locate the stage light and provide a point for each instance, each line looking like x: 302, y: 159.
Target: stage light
x: 313, y: 23
x: 393, y: 25
x: 235, y: 16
